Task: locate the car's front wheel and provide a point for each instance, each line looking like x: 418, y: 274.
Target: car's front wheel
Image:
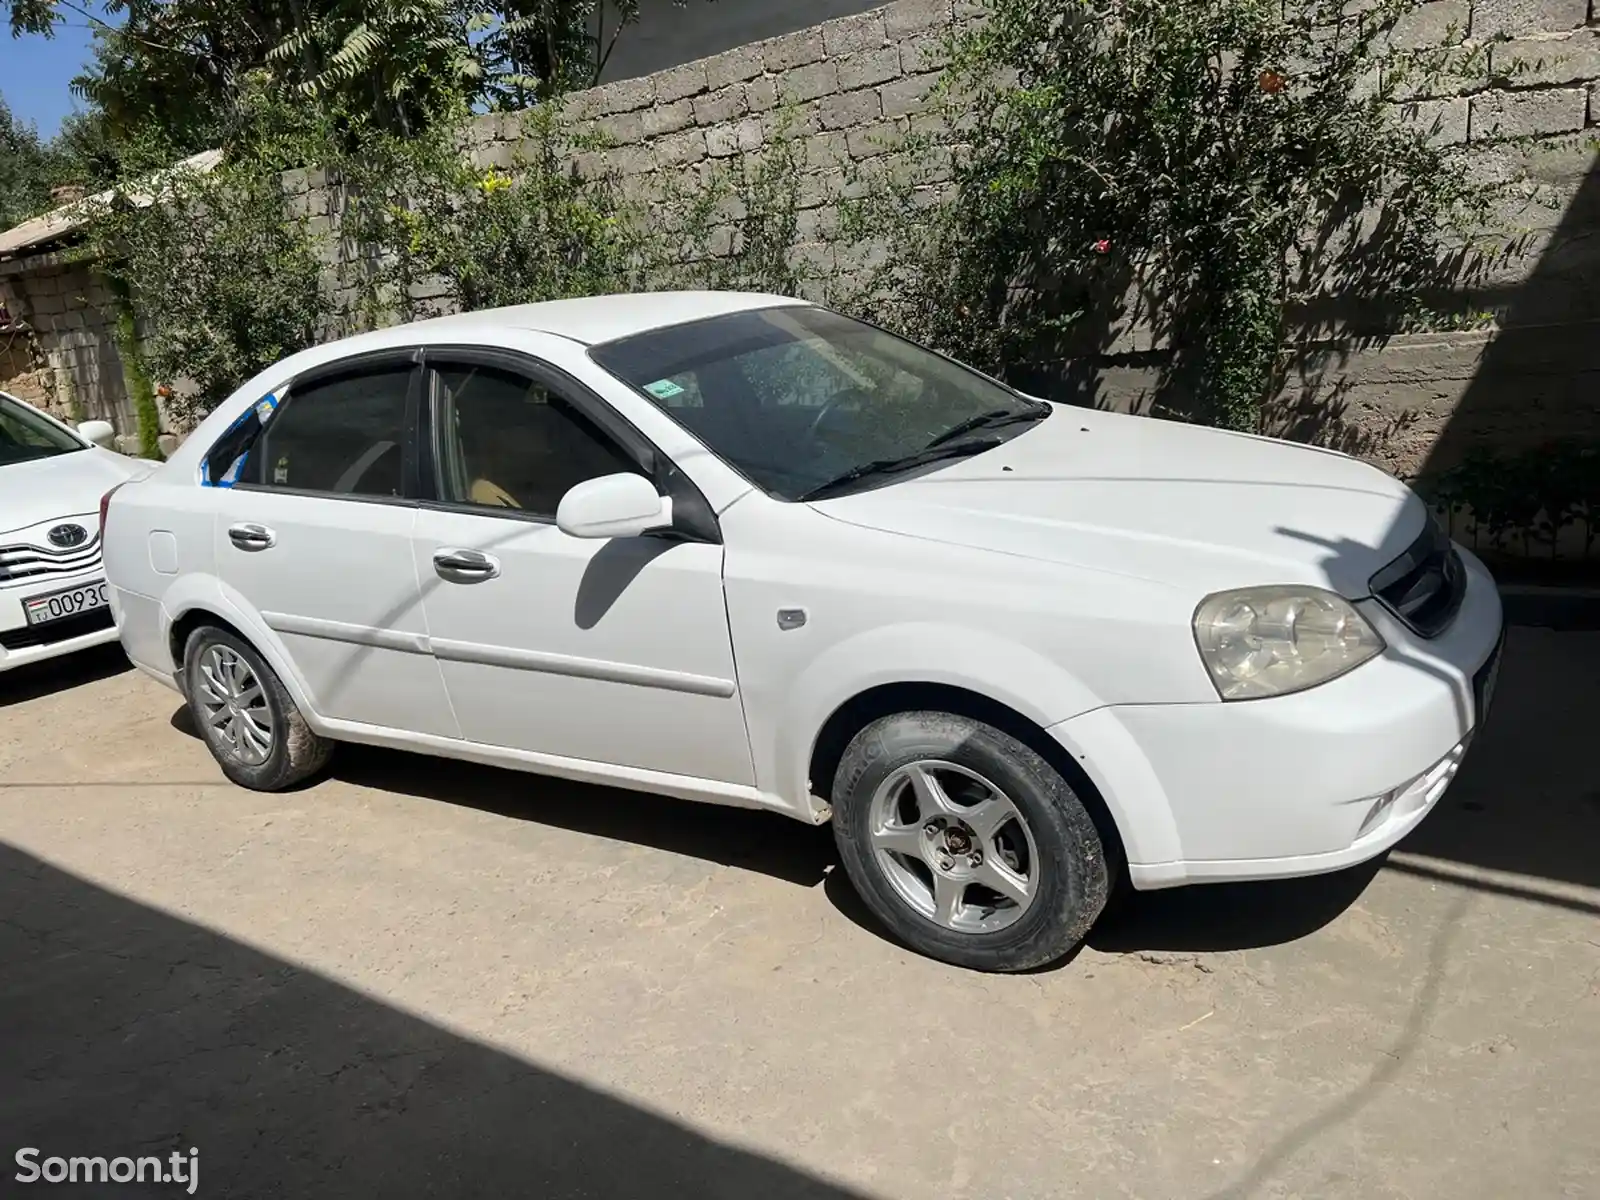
x: 247, y: 718
x: 967, y: 844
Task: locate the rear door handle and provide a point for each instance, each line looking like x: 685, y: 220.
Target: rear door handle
x: 249, y: 536
x: 464, y: 566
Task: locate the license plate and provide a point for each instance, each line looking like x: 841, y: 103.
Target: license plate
x: 69, y: 602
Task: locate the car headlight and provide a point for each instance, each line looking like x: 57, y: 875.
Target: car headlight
x: 1269, y: 641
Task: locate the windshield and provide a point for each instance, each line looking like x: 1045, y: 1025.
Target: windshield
x: 796, y: 399
x: 25, y: 435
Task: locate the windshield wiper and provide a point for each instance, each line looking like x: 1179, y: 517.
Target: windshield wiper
x: 887, y: 466
x: 993, y: 419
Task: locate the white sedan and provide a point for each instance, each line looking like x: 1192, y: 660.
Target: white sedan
x: 744, y: 550
x: 52, y: 588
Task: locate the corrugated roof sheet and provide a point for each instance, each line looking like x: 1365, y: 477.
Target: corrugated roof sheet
x: 59, y: 222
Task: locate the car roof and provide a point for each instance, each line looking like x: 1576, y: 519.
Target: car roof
x: 588, y: 320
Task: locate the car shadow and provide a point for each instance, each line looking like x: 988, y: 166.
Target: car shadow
x: 1229, y: 916
x: 39, y: 679
x: 764, y: 842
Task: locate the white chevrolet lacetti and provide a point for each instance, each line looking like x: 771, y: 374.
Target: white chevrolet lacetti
x: 744, y: 550
x: 52, y: 588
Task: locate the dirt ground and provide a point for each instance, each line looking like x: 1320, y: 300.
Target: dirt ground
x: 422, y: 978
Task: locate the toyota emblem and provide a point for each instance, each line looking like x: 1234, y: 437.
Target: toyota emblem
x: 67, y: 536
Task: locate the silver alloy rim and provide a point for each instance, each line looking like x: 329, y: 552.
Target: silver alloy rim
x: 235, y: 704
x: 954, y: 847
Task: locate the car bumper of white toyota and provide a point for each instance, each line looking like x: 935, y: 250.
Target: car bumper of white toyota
x: 1300, y: 784
x: 48, y: 614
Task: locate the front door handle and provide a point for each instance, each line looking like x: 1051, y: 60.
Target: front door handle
x: 249, y: 536
x: 465, y: 566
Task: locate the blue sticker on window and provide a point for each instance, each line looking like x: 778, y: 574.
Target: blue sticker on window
x: 238, y: 440
x: 664, y: 389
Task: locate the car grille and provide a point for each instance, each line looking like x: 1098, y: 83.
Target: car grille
x: 57, y: 631
x: 40, y: 562
x: 1424, y: 587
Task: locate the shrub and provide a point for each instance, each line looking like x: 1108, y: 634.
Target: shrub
x: 1212, y: 173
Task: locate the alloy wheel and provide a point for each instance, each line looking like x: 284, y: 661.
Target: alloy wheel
x: 235, y: 705
x: 954, y: 847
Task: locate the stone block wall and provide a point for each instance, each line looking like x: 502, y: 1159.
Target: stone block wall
x: 851, y: 88
x: 69, y: 315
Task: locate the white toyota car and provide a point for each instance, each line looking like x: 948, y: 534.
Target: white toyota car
x: 52, y: 588
x: 744, y: 550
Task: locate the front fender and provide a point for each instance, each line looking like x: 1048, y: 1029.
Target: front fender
x: 979, y: 661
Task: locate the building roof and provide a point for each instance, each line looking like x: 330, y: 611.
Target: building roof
x: 58, y: 223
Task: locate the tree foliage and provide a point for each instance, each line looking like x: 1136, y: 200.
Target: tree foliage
x: 28, y: 170
x: 1208, y: 174
x: 168, y: 76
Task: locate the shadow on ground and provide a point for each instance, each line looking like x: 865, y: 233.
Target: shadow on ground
x: 21, y: 684
x: 129, y: 1032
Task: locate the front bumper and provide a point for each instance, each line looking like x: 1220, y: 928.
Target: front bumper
x: 21, y: 643
x: 1301, y: 784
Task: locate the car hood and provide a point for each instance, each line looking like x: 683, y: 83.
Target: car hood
x: 65, y: 485
x: 1179, y: 505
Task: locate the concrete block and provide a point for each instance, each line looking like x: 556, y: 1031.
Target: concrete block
x: 679, y: 149
x: 792, y: 50
x: 849, y: 110
x: 808, y: 82
x: 872, y: 140
x: 668, y: 118
x: 816, y: 224
x: 871, y: 67
x: 824, y: 151
x: 630, y: 160
x: 735, y: 66
x: 1498, y: 115
x: 1432, y: 24
x: 1444, y: 122
x: 724, y: 141
x: 819, y: 188
x: 923, y: 55
x: 761, y: 94
x: 916, y: 16
x: 909, y: 95
x: 687, y: 80
x: 789, y: 123
x: 851, y: 35
x: 719, y: 106
x: 1516, y: 18
x: 621, y: 127
x: 500, y: 156
x: 1463, y: 70
x: 1530, y: 62
x: 627, y: 95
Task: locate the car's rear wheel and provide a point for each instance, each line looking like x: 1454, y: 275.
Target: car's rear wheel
x: 967, y: 844
x: 247, y: 719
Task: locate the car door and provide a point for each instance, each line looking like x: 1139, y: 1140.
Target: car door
x: 611, y: 651
x: 316, y: 535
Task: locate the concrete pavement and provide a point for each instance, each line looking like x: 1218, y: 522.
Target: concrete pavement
x: 423, y: 978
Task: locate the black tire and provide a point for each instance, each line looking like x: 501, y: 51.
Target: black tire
x: 1073, y: 877
x: 296, y: 751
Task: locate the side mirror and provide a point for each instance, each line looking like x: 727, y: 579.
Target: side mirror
x: 613, y: 506
x: 100, y: 433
